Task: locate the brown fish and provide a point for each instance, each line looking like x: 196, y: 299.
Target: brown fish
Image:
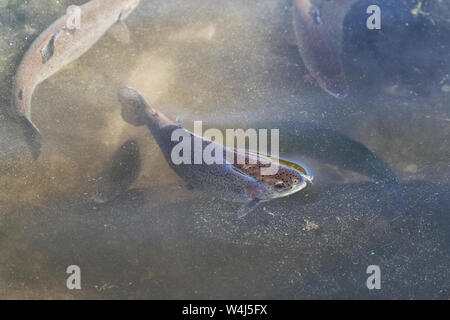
x: 318, y: 29
x: 58, y: 46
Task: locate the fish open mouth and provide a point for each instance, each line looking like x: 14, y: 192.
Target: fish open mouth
x: 308, y: 179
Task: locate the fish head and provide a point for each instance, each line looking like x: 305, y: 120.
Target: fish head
x: 133, y: 106
x: 284, y: 182
x: 287, y: 181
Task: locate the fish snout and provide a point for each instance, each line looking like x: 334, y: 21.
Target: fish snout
x: 133, y: 106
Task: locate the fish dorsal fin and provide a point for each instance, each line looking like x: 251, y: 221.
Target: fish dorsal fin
x: 293, y: 165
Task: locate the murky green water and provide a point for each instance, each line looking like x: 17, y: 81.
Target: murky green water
x: 232, y: 65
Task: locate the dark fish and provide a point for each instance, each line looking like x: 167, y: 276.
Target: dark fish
x: 120, y: 174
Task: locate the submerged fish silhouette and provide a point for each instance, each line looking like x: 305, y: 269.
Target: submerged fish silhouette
x: 233, y: 182
x: 120, y: 173
x: 56, y: 47
x: 318, y: 29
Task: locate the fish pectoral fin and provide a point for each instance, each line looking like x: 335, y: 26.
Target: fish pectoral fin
x: 248, y: 207
x: 120, y: 32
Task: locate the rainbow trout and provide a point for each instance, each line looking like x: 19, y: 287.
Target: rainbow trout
x: 58, y: 46
x: 318, y: 26
x: 233, y: 181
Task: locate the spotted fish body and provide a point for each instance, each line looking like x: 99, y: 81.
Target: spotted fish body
x: 318, y: 26
x: 229, y: 181
x: 58, y: 46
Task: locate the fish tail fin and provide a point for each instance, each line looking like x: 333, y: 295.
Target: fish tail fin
x: 134, y: 106
x: 32, y: 136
